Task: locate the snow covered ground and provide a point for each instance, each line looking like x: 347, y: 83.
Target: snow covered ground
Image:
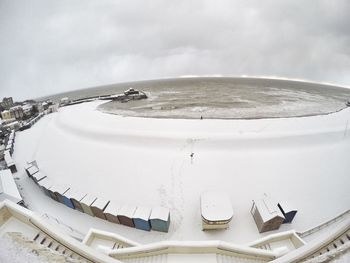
x: 147, y: 162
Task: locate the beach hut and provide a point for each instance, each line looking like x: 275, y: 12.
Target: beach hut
x: 9, y: 161
x: 86, y: 202
x: 99, y: 206
x: 288, y: 212
x: 216, y: 210
x: 141, y: 218
x: 8, y: 187
x: 111, y: 212
x: 160, y: 219
x: 76, y: 196
x: 31, y: 169
x: 125, y: 215
x: 67, y: 198
x: 59, y: 190
x: 37, y: 177
x: 45, y: 184
x: 266, y: 214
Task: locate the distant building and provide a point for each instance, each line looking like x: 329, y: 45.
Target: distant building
x: 6, y: 115
x: 6, y: 103
x: 17, y: 112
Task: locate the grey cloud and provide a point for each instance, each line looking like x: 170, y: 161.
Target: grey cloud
x: 54, y: 46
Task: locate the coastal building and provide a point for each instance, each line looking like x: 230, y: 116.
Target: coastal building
x: 266, y: 214
x: 6, y: 115
x: 17, y: 112
x: 6, y: 103
x: 216, y: 210
x: 160, y: 219
x: 8, y: 187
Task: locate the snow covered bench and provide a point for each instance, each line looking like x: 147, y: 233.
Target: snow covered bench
x: 216, y: 210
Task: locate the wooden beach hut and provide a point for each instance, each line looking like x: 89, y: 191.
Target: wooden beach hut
x: 141, y: 218
x: 59, y: 190
x: 160, y: 219
x: 86, y: 203
x: 125, y: 215
x: 37, y: 177
x: 266, y: 214
x: 31, y: 169
x: 8, y: 187
x: 67, y: 198
x: 99, y: 206
x: 111, y: 212
x: 76, y: 196
x: 216, y: 210
x: 288, y: 212
x: 45, y: 184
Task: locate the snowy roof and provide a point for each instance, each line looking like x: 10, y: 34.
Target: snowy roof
x: 216, y: 206
x: 8, y: 158
x: 59, y: 188
x: 75, y: 194
x: 38, y: 176
x: 100, y: 203
x: 160, y: 213
x: 8, y: 188
x: 268, y: 209
x: 127, y: 210
x: 32, y: 169
x: 88, y: 199
x: 46, y: 183
x: 112, y: 208
x: 142, y: 212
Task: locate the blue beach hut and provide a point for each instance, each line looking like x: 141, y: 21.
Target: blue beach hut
x: 141, y: 218
x: 45, y: 185
x: 160, y: 219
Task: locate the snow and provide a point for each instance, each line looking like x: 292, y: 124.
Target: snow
x: 216, y: 206
x: 146, y: 162
x: 127, y: 211
x: 32, y: 170
x: 100, y: 203
x: 161, y: 213
x: 8, y: 188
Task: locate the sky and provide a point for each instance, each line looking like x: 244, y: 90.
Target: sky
x: 52, y: 46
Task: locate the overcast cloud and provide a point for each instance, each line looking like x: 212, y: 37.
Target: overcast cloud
x: 54, y: 46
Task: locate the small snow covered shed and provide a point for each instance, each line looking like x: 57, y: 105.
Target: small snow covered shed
x: 76, y: 196
x: 266, y: 214
x: 99, y: 206
x: 37, y: 177
x: 8, y: 187
x: 141, y: 218
x: 67, y: 198
x: 125, y: 215
x: 111, y: 212
x: 45, y: 184
x: 160, y: 219
x: 59, y: 191
x: 86, y: 202
x: 216, y: 210
x: 288, y: 212
x: 9, y: 161
x: 31, y: 169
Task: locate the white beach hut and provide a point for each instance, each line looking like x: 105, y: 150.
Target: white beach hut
x: 86, y: 203
x: 216, y: 210
x: 45, y: 184
x: 141, y: 218
x: 160, y: 219
x: 266, y: 214
x: 8, y: 187
x: 37, y: 177
x: 31, y: 169
x: 9, y: 161
x: 111, y: 212
x: 99, y: 206
x: 125, y: 215
x: 59, y: 190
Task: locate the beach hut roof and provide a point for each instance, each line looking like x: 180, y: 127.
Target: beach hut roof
x: 88, y: 199
x: 39, y: 176
x: 75, y: 194
x: 216, y: 206
x: 46, y: 183
x: 59, y: 188
x: 268, y: 209
x: 142, y: 212
x: 100, y: 203
x: 112, y: 208
x: 160, y: 213
x: 127, y: 210
x: 8, y: 188
x: 32, y: 169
